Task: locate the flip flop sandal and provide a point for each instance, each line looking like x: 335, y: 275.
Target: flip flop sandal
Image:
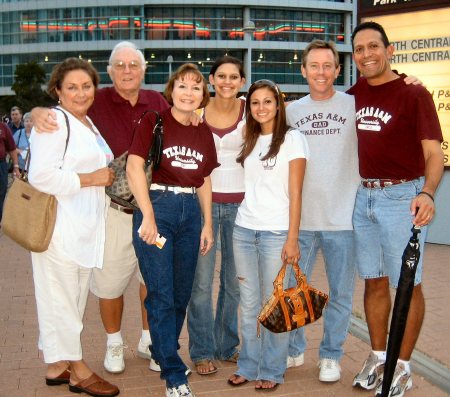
x: 230, y: 382
x: 267, y: 389
x: 205, y: 364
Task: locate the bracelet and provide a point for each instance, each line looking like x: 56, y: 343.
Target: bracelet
x: 427, y: 194
x: 16, y: 165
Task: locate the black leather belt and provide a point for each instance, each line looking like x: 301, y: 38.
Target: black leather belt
x: 121, y: 208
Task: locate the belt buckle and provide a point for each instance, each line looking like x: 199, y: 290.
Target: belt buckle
x: 176, y: 190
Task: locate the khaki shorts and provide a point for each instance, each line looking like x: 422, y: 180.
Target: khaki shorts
x: 120, y: 262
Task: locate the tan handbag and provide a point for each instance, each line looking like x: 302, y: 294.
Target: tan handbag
x: 294, y: 307
x: 29, y: 215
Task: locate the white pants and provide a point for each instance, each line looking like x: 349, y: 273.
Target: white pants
x: 61, y: 290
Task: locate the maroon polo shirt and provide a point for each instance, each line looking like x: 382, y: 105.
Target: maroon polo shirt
x: 116, y: 118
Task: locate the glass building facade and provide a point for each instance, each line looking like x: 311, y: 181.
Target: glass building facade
x: 268, y: 37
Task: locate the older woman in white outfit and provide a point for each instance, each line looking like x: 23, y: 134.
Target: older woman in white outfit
x: 75, y: 171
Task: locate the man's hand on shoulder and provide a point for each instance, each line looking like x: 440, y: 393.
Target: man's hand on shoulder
x: 414, y: 80
x: 44, y: 119
x: 195, y: 119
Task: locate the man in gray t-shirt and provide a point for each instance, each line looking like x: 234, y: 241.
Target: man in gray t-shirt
x: 327, y: 119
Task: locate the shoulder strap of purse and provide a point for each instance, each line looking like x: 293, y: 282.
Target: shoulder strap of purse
x: 68, y: 128
x: 28, y: 156
x: 20, y: 134
x: 155, y: 152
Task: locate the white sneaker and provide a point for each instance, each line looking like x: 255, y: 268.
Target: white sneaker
x: 114, y: 362
x: 143, y: 350
x: 180, y: 391
x: 330, y: 370
x: 154, y: 366
x: 295, y: 361
x: 401, y: 382
x: 370, y: 373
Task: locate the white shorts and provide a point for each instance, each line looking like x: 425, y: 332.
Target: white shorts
x: 120, y: 262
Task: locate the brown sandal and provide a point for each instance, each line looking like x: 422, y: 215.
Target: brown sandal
x: 61, y: 379
x: 205, y: 367
x: 95, y: 386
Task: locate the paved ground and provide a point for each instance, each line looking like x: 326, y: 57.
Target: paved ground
x: 22, y: 370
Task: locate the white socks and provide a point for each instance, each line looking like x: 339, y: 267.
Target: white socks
x: 145, y: 337
x: 114, y: 338
x: 380, y: 354
x: 382, y: 357
x: 117, y: 338
x: 406, y: 365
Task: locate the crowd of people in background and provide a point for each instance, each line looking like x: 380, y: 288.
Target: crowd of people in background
x: 249, y: 170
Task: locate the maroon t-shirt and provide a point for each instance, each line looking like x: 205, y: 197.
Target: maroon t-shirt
x: 115, y: 118
x: 391, y: 121
x: 189, y: 154
x: 7, y: 143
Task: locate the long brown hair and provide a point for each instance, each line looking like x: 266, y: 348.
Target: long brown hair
x: 253, y: 128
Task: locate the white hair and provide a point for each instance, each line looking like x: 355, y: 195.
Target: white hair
x: 126, y: 44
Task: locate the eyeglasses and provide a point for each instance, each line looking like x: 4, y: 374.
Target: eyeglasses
x: 266, y: 82
x: 121, y: 66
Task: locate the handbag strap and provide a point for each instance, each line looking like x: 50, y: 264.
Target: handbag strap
x: 28, y: 156
x: 155, y: 152
x: 278, y: 286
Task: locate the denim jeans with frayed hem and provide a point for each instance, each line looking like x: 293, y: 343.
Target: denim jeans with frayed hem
x: 338, y: 252
x: 215, y: 337
x: 258, y: 260
x: 168, y: 274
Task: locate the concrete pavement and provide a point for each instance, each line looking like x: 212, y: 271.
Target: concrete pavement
x: 22, y: 369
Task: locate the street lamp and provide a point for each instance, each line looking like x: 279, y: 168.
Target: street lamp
x: 170, y: 60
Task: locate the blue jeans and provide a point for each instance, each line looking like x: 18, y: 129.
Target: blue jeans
x: 258, y: 259
x: 383, y: 222
x: 218, y: 338
x: 3, y: 184
x: 338, y: 251
x: 168, y: 274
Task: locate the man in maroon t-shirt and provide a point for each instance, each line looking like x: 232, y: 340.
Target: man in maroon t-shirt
x: 115, y: 112
x: 401, y: 163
